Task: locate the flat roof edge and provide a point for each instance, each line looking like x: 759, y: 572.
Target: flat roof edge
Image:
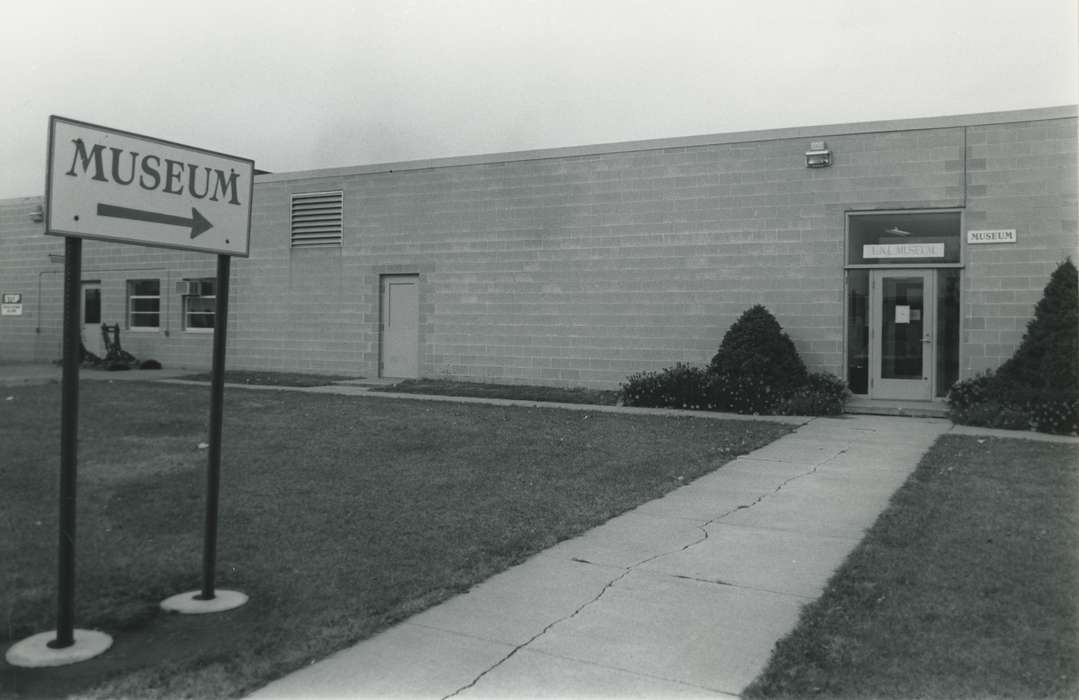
x: 28, y: 199
x: 913, y: 124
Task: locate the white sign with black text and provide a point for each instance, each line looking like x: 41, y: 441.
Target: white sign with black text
x: 116, y: 186
x: 1000, y: 235
x: 11, y: 304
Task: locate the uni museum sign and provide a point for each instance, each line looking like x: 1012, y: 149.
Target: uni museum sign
x: 903, y: 250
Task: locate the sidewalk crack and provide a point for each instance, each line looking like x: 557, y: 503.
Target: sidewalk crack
x: 628, y: 570
x: 744, y: 506
x: 542, y: 632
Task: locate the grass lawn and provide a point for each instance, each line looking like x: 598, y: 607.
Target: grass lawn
x: 965, y: 587
x: 339, y: 516
x: 446, y: 387
x: 242, y: 376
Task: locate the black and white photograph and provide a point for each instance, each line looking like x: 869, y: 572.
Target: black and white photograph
x: 555, y: 349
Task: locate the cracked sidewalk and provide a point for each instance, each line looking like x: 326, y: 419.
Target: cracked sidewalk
x: 684, y: 595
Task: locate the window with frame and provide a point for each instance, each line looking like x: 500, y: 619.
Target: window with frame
x: 923, y: 238
x: 200, y: 304
x: 144, y: 304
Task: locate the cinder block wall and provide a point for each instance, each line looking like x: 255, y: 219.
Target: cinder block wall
x: 582, y: 270
x: 1020, y: 176
x: 25, y: 269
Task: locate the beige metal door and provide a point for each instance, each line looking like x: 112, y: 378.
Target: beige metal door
x: 400, y: 326
x: 91, y: 318
x: 901, y: 345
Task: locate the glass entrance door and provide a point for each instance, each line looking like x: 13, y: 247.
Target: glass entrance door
x: 902, y: 303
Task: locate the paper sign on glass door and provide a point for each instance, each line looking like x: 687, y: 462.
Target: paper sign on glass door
x: 902, y: 314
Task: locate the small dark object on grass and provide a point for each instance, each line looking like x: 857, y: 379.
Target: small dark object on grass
x: 150, y: 364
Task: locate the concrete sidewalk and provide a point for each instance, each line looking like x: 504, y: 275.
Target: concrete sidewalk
x: 685, y: 595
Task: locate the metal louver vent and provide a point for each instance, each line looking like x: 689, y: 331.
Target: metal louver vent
x: 316, y: 219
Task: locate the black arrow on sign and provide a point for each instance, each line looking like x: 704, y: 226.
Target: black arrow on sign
x: 197, y: 223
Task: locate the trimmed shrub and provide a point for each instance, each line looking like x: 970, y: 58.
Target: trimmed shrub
x: 757, y: 365
x: 1047, y: 356
x: 1037, y: 388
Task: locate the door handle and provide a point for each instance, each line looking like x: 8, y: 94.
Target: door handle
x: 926, y: 339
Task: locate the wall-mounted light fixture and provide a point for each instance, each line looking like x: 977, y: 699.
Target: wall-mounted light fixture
x: 38, y: 214
x: 818, y: 155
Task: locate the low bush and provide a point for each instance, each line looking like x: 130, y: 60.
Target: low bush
x: 681, y: 386
x: 971, y: 392
x: 824, y: 394
x: 996, y: 402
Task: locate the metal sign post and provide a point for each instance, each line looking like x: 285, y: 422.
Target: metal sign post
x: 217, y: 399
x: 69, y: 446
x: 209, y: 598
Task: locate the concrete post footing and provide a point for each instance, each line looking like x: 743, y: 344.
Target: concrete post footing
x: 35, y: 652
x: 189, y: 604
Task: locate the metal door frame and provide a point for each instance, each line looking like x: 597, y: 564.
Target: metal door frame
x: 383, y: 281
x: 900, y: 389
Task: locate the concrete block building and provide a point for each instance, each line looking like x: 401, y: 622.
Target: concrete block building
x: 900, y: 256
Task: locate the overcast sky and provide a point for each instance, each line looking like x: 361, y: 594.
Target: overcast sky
x: 297, y: 85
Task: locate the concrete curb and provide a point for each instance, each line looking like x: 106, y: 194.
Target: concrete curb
x: 1012, y: 434
x: 347, y: 390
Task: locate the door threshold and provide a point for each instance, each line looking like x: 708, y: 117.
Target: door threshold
x: 863, y: 405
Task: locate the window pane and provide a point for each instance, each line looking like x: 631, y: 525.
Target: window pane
x: 200, y: 305
x: 144, y: 303
x: 200, y: 321
x: 947, y: 330
x: 858, y: 331
x: 199, y: 309
x: 144, y: 320
x: 901, y: 327
x: 904, y: 238
x: 145, y: 287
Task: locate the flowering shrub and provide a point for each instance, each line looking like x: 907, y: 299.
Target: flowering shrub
x: 681, y: 386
